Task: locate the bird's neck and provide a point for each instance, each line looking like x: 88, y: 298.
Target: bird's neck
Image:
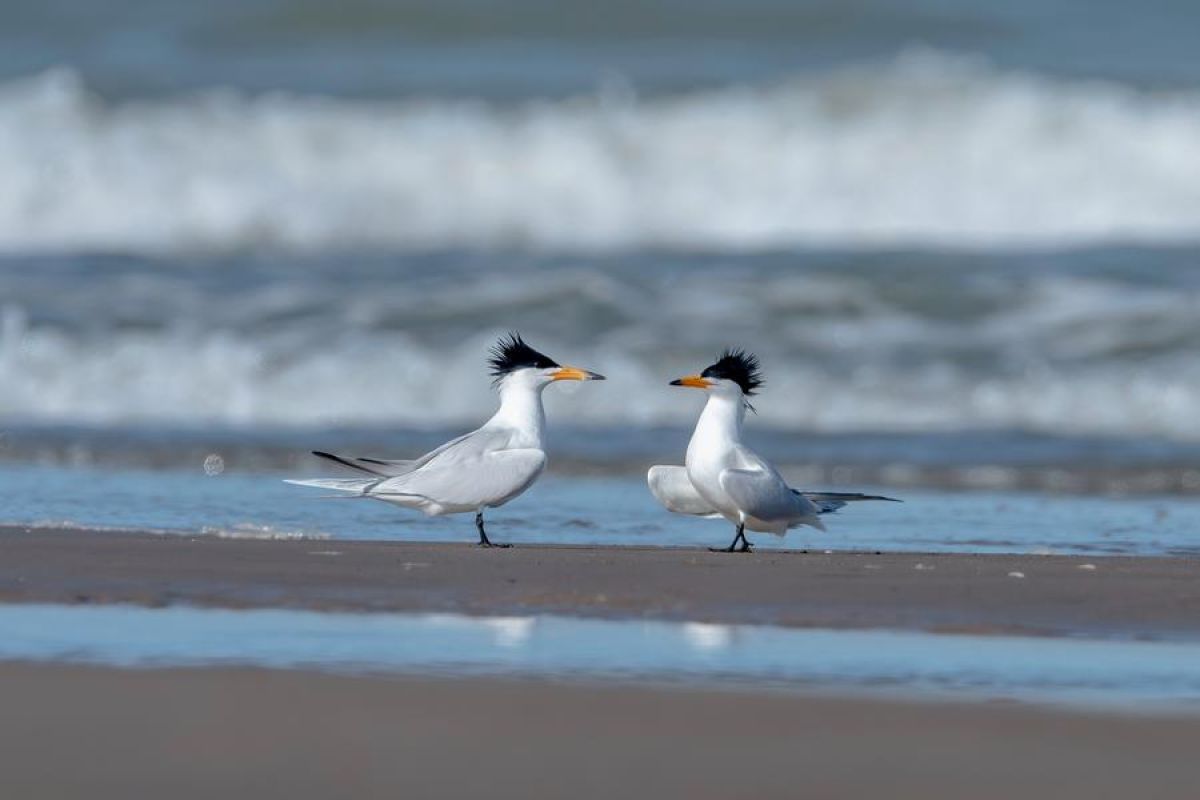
x: 720, y: 422
x: 521, y: 410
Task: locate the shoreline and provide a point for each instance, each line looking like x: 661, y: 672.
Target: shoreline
x: 1050, y: 595
x: 1037, y: 463
x: 199, y: 733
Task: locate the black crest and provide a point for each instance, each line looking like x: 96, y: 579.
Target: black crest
x: 738, y: 366
x: 511, y: 353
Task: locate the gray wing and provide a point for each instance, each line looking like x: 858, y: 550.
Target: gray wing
x: 473, y: 478
x: 671, y: 486
x: 764, y: 495
x: 473, y: 469
x: 393, y: 468
x: 828, y: 502
x: 385, y: 466
x: 758, y: 489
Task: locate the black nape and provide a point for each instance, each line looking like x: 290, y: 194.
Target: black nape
x: 738, y: 366
x: 511, y: 353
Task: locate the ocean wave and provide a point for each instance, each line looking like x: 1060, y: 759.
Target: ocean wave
x: 846, y: 347
x: 228, y: 380
x: 928, y: 149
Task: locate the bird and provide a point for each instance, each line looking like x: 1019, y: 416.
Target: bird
x: 479, y: 470
x: 722, y: 477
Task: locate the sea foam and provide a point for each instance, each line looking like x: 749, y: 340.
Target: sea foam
x: 928, y: 149
x: 845, y: 346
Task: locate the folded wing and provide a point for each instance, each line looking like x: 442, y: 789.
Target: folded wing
x: 485, y: 479
x: 671, y: 486
x: 762, y: 494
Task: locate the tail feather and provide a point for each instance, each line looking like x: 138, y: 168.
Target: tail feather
x: 828, y: 502
x: 358, y: 486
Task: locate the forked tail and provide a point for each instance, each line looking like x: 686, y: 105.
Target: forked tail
x: 354, y: 487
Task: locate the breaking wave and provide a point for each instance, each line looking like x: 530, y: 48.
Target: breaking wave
x: 903, y: 343
x: 928, y: 149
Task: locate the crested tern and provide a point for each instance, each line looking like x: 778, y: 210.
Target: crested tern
x: 482, y: 469
x: 722, y: 477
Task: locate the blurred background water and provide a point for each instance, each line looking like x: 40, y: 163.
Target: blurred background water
x: 962, y: 236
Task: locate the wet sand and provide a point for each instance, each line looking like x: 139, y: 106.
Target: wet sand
x: 71, y: 731
x: 84, y: 731
x: 946, y: 593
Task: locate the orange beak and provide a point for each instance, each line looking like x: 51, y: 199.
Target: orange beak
x: 576, y: 374
x: 694, y: 381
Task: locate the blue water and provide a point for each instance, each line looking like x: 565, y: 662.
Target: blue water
x: 957, y: 234
x: 525, y: 47
x: 596, y: 510
x: 1142, y: 676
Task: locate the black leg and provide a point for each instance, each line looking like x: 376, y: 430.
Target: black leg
x: 733, y: 548
x: 746, y: 546
x: 484, y: 541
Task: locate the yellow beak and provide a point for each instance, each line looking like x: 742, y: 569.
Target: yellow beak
x: 694, y: 381
x: 576, y: 374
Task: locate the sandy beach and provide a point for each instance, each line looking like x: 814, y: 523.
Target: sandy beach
x: 296, y: 734
x: 1048, y: 595
x: 250, y: 733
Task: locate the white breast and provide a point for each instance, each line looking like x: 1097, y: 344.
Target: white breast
x: 712, y: 450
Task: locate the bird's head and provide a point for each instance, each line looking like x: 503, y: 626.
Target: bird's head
x: 735, y: 374
x: 514, y: 362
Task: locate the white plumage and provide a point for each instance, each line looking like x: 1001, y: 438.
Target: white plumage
x: 722, y: 477
x: 482, y: 469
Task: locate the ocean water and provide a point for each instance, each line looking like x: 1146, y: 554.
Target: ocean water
x: 597, y: 511
x: 1100, y: 342
x: 963, y: 238
x: 1130, y: 676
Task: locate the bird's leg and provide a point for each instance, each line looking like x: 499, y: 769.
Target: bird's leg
x: 733, y: 548
x: 746, y: 546
x: 484, y: 541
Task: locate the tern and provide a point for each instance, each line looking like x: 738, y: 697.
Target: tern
x: 482, y: 469
x: 722, y: 477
